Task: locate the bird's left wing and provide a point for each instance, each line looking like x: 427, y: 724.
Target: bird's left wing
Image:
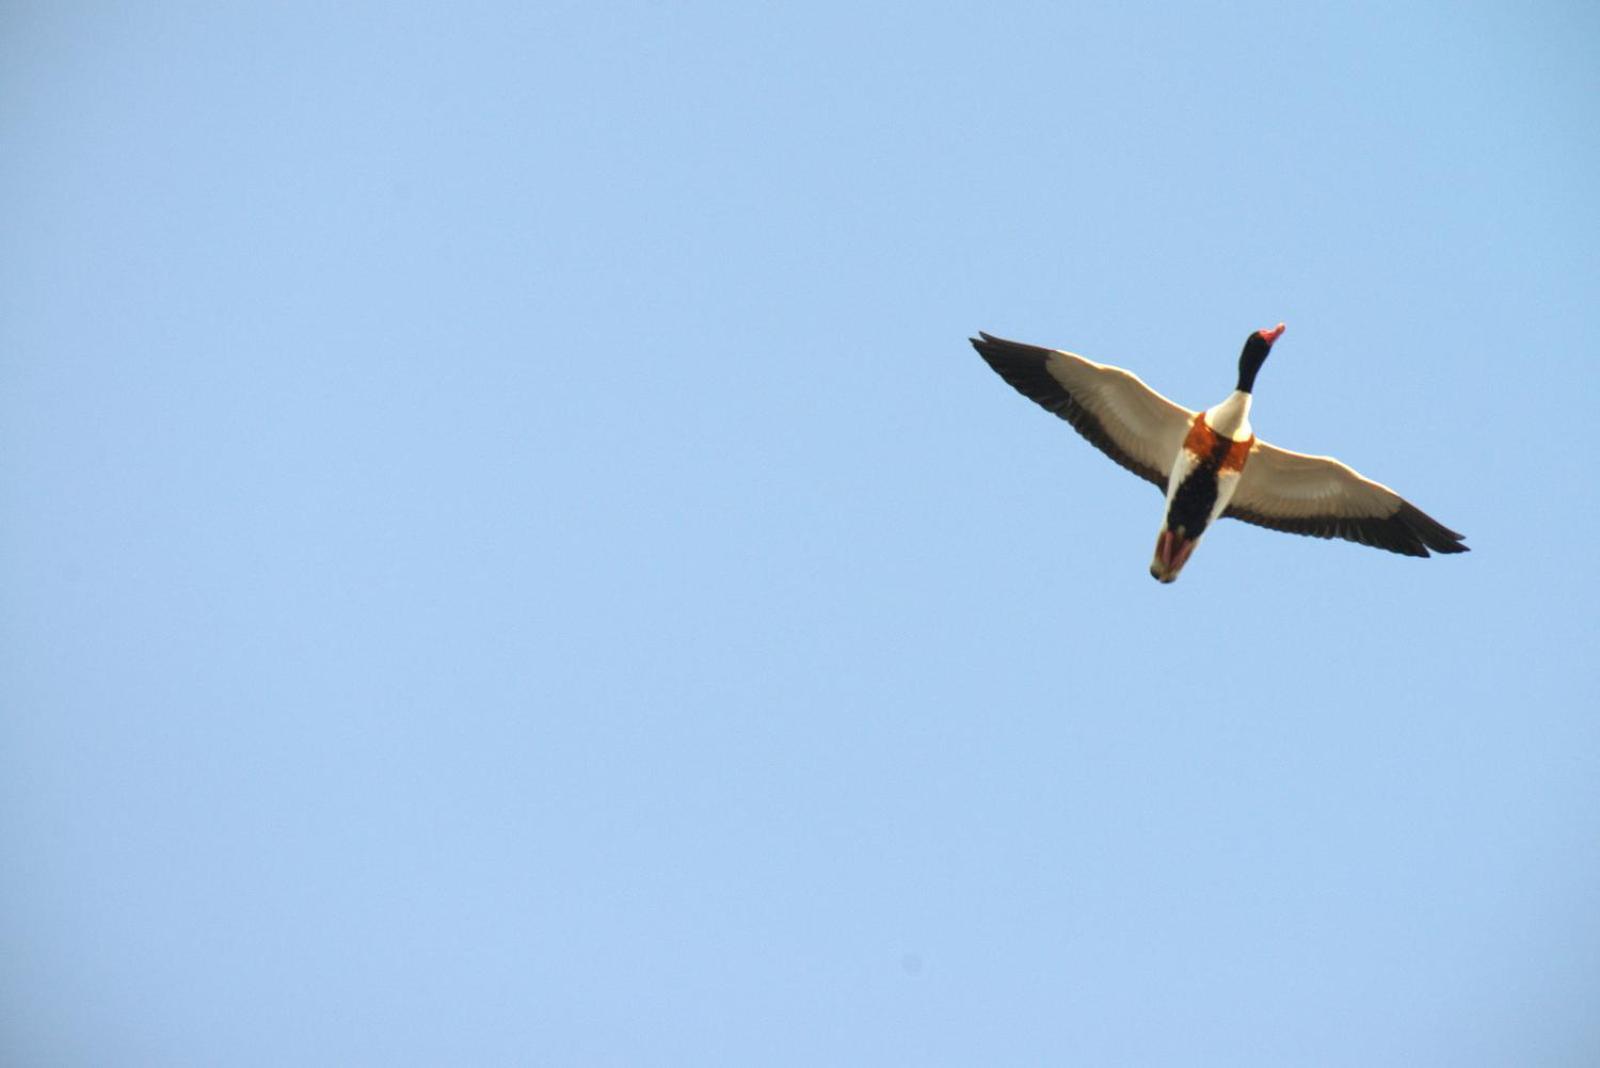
x: 1115, y: 411
x: 1321, y: 497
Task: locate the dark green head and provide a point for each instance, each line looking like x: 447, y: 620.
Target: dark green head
x: 1256, y: 348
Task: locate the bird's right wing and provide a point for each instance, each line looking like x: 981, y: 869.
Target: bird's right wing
x: 1115, y: 411
x: 1321, y: 497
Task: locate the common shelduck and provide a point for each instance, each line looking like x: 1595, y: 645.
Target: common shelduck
x: 1210, y: 463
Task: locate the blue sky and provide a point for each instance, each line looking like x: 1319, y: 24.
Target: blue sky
x: 510, y: 559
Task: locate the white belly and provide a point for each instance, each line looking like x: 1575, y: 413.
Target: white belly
x: 1184, y: 465
x: 1227, y: 484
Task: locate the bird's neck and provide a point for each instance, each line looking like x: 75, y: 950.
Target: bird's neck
x: 1231, y: 418
x: 1249, y: 366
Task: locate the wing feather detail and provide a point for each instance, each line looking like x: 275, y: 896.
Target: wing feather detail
x: 1322, y: 498
x: 1113, y: 409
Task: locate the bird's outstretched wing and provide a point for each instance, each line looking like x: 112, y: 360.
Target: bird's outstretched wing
x: 1321, y: 497
x: 1118, y: 414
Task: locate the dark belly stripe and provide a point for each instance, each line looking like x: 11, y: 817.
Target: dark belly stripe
x: 1192, y: 503
x: 1196, y: 495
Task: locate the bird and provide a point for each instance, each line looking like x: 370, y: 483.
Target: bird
x: 1210, y: 464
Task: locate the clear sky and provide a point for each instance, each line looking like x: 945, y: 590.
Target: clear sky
x: 509, y: 557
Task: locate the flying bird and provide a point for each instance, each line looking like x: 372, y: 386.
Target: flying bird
x: 1210, y: 463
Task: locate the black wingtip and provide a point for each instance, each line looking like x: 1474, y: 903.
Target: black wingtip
x: 1027, y: 369
x: 1429, y: 531
x: 1408, y: 530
